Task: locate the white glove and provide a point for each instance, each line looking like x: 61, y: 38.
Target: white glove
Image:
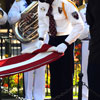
x: 61, y: 48
x: 39, y: 44
x: 31, y: 49
x: 53, y: 48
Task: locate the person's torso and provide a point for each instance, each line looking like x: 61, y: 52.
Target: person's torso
x: 62, y: 24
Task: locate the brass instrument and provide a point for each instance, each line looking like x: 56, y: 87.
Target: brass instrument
x: 26, y: 31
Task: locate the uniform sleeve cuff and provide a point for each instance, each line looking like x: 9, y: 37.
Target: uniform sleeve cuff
x: 66, y: 43
x: 40, y: 38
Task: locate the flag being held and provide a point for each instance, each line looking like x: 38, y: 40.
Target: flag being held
x: 28, y: 61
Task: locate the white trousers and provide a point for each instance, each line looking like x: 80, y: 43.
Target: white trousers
x: 34, y: 80
x: 85, y: 53
x: 35, y: 84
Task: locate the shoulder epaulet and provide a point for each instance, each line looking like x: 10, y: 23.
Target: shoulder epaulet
x: 81, y: 7
x: 63, y: 8
x: 72, y: 3
x: 18, y: 0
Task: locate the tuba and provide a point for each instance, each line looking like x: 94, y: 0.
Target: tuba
x: 26, y: 31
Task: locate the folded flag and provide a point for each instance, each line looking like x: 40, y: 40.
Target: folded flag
x: 28, y: 61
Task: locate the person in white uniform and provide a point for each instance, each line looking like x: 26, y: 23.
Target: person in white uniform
x: 3, y: 16
x: 34, y: 80
x: 85, y: 50
x: 68, y: 27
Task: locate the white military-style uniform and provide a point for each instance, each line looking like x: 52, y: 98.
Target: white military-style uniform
x: 3, y: 20
x: 85, y: 51
x: 69, y: 26
x: 34, y: 83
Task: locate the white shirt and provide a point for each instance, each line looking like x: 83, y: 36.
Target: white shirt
x: 70, y: 26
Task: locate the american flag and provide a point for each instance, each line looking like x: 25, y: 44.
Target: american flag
x: 28, y: 61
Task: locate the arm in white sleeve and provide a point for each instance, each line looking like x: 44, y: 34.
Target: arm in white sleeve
x: 14, y: 13
x: 42, y: 30
x: 76, y: 21
x: 3, y: 20
x: 85, y: 33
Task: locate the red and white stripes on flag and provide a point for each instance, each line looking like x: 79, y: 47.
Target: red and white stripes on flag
x: 28, y: 61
